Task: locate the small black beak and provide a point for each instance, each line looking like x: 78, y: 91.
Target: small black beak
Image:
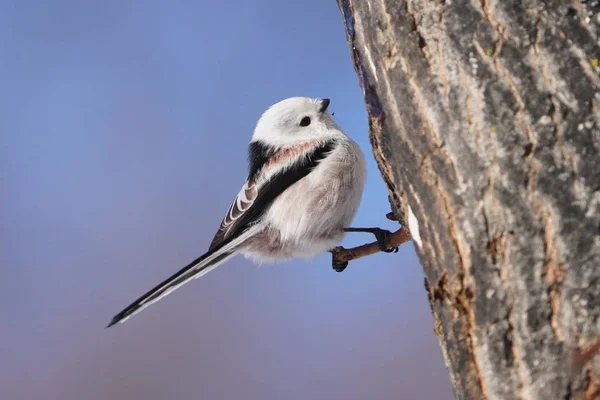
x: 324, y: 105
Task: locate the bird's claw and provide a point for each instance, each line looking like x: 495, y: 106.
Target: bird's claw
x: 340, y: 267
x: 337, y: 266
x: 383, y: 240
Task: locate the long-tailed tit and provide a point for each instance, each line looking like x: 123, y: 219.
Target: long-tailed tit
x: 304, y: 186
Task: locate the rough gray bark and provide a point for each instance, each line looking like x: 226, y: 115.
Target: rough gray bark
x: 484, y: 120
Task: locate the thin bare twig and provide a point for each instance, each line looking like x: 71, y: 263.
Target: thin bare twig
x: 342, y: 255
x: 391, y: 216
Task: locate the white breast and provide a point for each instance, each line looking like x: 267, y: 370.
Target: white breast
x: 308, y: 218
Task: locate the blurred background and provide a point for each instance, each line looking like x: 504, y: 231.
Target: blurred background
x: 123, y: 136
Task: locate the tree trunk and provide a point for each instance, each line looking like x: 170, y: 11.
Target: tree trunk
x: 484, y: 121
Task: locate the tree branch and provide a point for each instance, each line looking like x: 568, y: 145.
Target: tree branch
x: 342, y: 255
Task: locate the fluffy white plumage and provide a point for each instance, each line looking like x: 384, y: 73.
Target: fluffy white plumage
x: 304, y: 186
x: 307, y: 219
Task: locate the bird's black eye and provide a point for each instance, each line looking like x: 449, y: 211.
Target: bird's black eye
x: 305, y: 121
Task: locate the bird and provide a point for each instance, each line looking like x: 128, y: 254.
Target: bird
x: 303, y: 189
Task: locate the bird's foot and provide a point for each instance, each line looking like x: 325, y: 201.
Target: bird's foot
x: 335, y: 264
x: 383, y: 240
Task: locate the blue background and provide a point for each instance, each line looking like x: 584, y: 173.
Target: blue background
x: 123, y: 137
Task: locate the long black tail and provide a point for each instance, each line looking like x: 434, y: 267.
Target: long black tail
x: 195, y: 269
